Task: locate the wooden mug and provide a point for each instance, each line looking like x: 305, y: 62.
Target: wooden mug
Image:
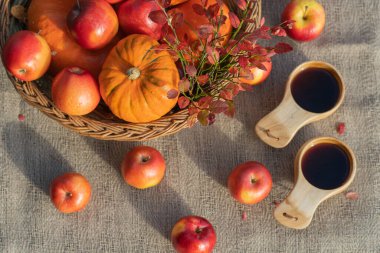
x: 278, y: 128
x: 297, y: 210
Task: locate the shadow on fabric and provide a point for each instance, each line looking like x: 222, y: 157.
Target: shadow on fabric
x: 160, y: 206
x: 33, y: 155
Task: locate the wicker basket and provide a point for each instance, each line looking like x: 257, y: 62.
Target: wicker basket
x: 99, y: 124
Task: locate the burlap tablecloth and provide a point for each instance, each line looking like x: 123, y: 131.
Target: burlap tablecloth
x: 121, y: 219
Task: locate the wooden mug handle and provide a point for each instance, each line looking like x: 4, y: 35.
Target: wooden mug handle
x: 279, y: 127
x: 297, y: 210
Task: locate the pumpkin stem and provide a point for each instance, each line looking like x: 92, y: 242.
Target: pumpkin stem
x: 133, y: 73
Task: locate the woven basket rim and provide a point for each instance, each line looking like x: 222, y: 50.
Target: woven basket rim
x: 88, y: 125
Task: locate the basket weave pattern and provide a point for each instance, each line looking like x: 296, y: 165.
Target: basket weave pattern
x: 97, y: 124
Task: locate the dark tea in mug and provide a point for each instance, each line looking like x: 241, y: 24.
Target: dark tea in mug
x: 315, y: 90
x: 326, y: 166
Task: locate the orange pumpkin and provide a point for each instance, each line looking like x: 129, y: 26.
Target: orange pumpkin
x: 48, y: 18
x: 139, y: 84
x: 193, y: 21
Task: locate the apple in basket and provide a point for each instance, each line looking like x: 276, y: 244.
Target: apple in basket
x: 70, y: 192
x: 193, y: 234
x: 250, y: 182
x: 134, y: 18
x: 309, y: 16
x: 258, y: 75
x: 93, y: 23
x: 26, y: 55
x: 75, y: 91
x: 143, y: 167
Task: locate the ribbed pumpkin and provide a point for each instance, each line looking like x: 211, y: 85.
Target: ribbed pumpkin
x: 48, y: 18
x: 138, y: 83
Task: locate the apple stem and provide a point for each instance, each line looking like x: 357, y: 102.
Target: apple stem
x: 198, y: 230
x: 304, y: 14
x: 78, y: 4
x: 69, y: 194
x: 253, y: 180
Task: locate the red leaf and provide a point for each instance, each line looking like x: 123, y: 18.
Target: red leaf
x: 158, y: 17
x: 242, y: 4
x: 213, y: 55
x: 278, y: 31
x: 191, y: 70
x: 233, y: 70
x: 205, y: 102
x: 193, y: 110
x: 226, y: 94
x: 246, y: 45
x: 235, y: 22
x: 218, y: 106
x: 184, y: 85
x: 202, y: 80
x: 211, y: 118
x: 198, y: 9
x: 282, y: 47
x: 261, y: 66
x: 183, y: 102
x: 340, y: 128
x: 172, y: 94
x: 244, y: 215
x: 177, y: 20
x: 352, y: 195
x: 213, y: 10
x: 262, y: 21
x: 243, y: 61
x: 202, y: 117
x: 246, y: 87
x: 205, y: 30
x: 231, y: 109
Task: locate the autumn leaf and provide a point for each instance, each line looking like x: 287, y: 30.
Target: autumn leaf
x: 191, y: 70
x: 158, y: 17
x: 202, y: 79
x: 204, y: 102
x: 282, y: 47
x: 183, y: 102
x: 172, y: 94
x: 235, y: 22
x: 202, y: 117
x: 218, y: 106
x: 177, y: 19
x: 242, y: 4
x: 198, y: 9
x: 226, y: 94
x: 184, y: 85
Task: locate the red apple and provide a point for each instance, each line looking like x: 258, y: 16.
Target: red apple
x: 250, y: 182
x: 134, y: 18
x: 309, y: 16
x: 26, y: 55
x: 75, y: 91
x: 259, y: 75
x: 193, y: 234
x: 143, y: 167
x: 70, y: 192
x: 93, y: 23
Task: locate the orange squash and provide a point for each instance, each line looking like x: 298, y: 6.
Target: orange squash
x: 48, y: 18
x: 138, y: 83
x: 193, y: 21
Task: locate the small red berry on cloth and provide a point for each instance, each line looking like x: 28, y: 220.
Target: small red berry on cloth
x: 244, y: 216
x: 351, y: 195
x: 341, y: 128
x: 21, y: 117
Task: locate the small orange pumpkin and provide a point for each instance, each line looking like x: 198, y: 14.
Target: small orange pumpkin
x: 138, y: 83
x: 48, y: 18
